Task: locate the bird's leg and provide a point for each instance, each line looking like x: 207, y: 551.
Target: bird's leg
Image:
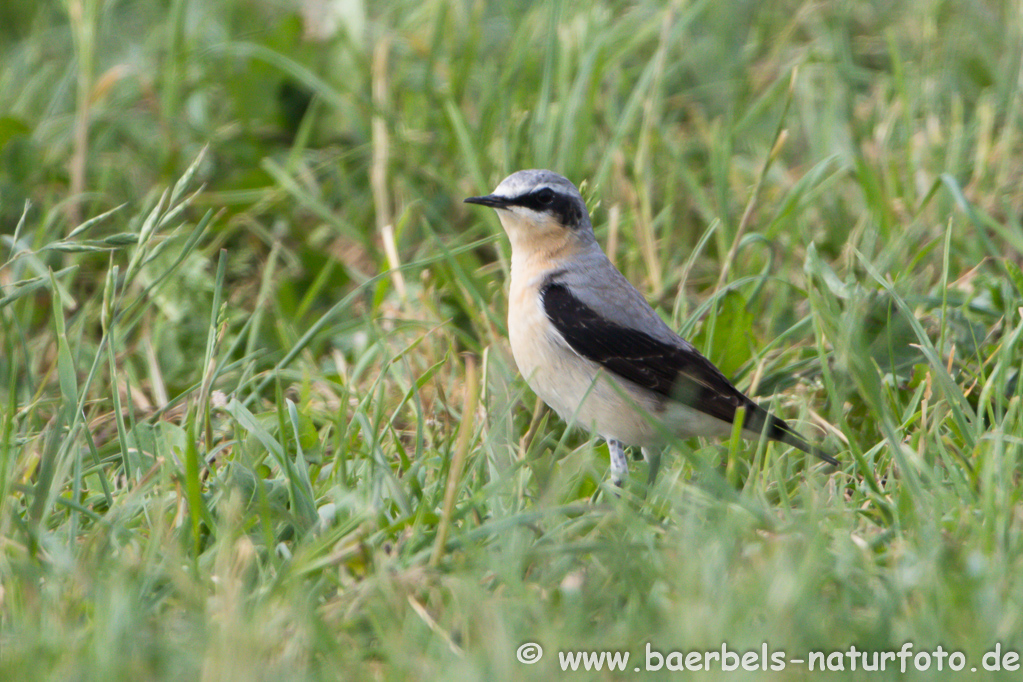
x: 653, y: 458
x: 619, y: 464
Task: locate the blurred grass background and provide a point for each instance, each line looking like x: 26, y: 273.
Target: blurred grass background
x: 258, y: 416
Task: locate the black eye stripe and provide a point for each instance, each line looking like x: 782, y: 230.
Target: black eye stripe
x: 563, y: 207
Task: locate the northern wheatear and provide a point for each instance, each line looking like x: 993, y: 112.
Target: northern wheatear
x: 592, y: 348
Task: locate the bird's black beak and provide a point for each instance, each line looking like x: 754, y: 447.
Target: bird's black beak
x: 489, y: 200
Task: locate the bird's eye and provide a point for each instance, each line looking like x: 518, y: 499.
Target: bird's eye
x: 545, y: 196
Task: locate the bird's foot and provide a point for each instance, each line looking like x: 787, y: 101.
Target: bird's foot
x: 619, y: 463
x: 653, y: 459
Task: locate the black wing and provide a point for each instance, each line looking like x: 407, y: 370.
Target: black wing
x: 674, y: 372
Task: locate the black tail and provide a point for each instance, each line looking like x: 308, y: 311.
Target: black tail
x: 779, y: 430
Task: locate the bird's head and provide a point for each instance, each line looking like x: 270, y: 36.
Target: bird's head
x: 539, y: 209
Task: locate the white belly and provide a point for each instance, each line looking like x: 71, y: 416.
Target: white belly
x: 585, y: 395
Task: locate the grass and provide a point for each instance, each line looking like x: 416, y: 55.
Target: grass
x: 259, y: 416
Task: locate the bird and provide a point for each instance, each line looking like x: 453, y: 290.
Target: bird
x: 590, y: 345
